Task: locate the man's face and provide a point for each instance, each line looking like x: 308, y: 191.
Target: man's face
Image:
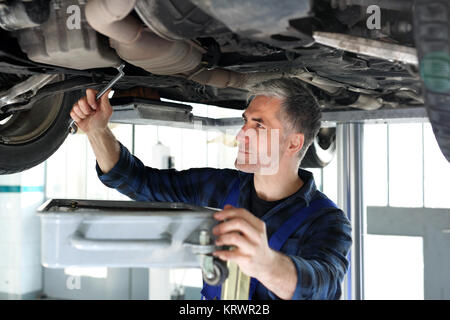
x: 260, y: 139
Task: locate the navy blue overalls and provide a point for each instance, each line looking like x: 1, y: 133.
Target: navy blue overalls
x: 276, y: 241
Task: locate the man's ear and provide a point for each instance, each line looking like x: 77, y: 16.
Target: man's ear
x: 296, y: 141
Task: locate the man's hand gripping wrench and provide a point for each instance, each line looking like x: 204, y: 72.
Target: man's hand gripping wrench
x: 73, y: 126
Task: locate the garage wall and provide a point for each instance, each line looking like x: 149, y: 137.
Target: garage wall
x: 432, y: 228
x: 117, y: 284
x: 20, y: 268
x: 406, y: 183
x: 404, y: 167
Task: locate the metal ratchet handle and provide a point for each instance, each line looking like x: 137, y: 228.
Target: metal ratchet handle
x: 112, y: 82
x: 73, y: 126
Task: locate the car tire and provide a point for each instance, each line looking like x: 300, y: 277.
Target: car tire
x: 29, y: 137
x: 322, y: 150
x: 432, y: 38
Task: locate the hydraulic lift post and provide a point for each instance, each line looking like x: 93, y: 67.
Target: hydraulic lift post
x: 349, y: 145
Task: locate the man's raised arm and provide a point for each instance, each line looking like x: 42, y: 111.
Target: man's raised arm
x: 92, y: 117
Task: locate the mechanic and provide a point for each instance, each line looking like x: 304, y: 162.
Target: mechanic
x: 272, y: 194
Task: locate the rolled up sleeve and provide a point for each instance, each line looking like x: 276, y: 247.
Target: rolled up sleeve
x: 120, y: 172
x: 132, y: 178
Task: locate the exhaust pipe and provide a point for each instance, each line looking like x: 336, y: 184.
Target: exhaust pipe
x: 139, y: 46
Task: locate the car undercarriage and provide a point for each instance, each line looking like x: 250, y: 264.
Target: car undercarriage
x: 351, y: 54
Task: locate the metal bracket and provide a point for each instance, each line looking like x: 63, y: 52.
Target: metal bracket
x: 397, y: 115
x: 23, y: 91
x: 176, y: 115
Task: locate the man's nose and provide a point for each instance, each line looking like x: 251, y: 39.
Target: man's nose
x: 241, y: 136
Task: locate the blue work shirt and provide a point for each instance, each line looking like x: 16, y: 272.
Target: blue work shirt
x: 318, y: 249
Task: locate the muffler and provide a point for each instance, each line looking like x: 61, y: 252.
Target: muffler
x: 137, y: 45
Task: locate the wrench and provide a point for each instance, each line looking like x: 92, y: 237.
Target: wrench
x: 73, y: 126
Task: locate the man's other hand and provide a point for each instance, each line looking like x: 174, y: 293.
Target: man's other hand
x: 247, y: 234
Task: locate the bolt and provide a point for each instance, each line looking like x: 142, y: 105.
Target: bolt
x: 5, y: 140
x: 57, y: 4
x: 204, y: 237
x: 404, y: 27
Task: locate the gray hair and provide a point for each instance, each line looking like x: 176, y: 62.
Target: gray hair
x: 300, y: 111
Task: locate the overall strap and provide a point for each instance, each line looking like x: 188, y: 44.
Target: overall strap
x: 213, y: 292
x: 289, y: 227
x: 233, y: 196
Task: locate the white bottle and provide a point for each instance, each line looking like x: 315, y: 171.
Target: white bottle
x: 160, y: 156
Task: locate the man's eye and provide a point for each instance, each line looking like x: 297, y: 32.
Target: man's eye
x: 258, y: 125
